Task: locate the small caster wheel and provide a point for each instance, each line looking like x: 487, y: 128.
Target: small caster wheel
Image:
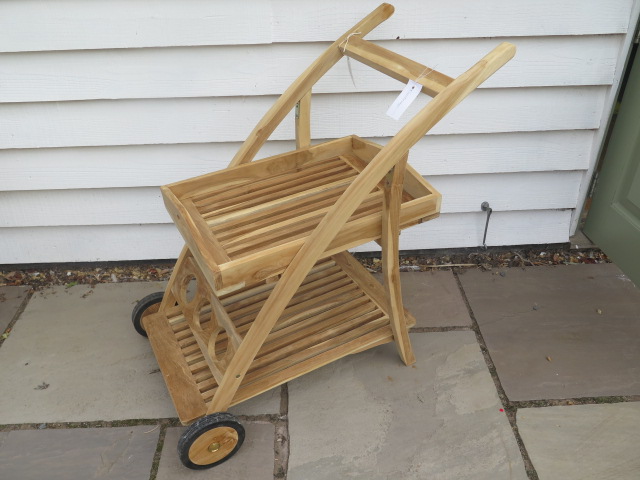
x: 211, y: 440
x: 149, y: 304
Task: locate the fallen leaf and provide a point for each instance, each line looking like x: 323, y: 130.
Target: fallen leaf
x: 548, y: 359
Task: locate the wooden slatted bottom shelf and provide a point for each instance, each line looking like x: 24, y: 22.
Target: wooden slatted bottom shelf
x: 339, y: 309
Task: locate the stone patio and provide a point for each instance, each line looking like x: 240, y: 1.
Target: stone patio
x: 81, y: 396
x: 559, y: 332
x: 11, y: 300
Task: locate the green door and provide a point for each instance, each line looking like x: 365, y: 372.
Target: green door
x: 613, y: 222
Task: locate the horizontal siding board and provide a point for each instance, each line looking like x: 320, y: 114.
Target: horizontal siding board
x: 30, y: 25
x: 112, y: 206
x: 88, y: 243
x: 461, y: 193
x: 459, y: 230
x: 117, y: 166
x: 454, y: 18
x: 152, y: 165
x: 125, y: 122
x: 510, y: 191
x: 269, y: 69
x: 136, y: 242
x: 502, y: 152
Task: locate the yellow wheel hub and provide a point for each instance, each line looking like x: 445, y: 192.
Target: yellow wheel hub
x: 213, y: 445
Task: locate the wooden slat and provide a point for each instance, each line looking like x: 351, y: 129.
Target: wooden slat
x: 354, y: 307
x: 258, y: 170
x: 182, y: 388
x: 228, y: 229
x: 289, y: 199
x: 307, y: 339
x: 322, y: 271
x: 226, y: 195
x: 396, y: 66
x: 294, y: 227
x: 367, y: 283
x: 294, y: 189
x: 333, y: 294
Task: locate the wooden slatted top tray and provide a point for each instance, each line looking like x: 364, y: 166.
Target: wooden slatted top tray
x: 245, y: 223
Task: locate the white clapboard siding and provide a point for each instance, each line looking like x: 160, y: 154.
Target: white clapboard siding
x: 102, y: 101
x: 269, y: 69
x: 32, y: 25
x: 461, y: 193
x: 152, y: 165
x: 157, y: 241
x: 184, y: 120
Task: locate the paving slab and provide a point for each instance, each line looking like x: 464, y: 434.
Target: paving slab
x: 559, y: 331
x: 253, y: 461
x: 265, y: 403
x: 74, y: 356
x: 583, y: 442
x: 433, y: 298
x: 367, y: 416
x: 121, y: 453
x: 11, y: 299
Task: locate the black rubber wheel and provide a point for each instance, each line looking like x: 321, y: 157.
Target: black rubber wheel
x: 210, y: 440
x: 143, y: 307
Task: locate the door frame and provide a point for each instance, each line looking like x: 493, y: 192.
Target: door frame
x: 598, y: 147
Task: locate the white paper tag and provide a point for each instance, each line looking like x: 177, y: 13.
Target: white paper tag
x: 406, y: 98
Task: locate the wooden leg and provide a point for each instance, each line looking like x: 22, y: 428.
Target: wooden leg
x: 303, y: 121
x: 169, y: 299
x: 390, y: 262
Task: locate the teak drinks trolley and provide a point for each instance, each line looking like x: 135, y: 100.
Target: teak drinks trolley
x: 277, y: 294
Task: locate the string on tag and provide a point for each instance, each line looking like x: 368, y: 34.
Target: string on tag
x: 431, y: 70
x: 408, y: 94
x: 344, y: 49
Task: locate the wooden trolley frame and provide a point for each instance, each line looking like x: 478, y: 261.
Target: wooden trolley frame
x: 277, y: 293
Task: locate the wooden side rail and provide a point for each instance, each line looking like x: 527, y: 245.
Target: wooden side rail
x: 396, y: 66
x: 303, y: 84
x: 338, y: 215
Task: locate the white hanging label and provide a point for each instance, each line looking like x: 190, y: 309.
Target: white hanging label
x: 406, y: 98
